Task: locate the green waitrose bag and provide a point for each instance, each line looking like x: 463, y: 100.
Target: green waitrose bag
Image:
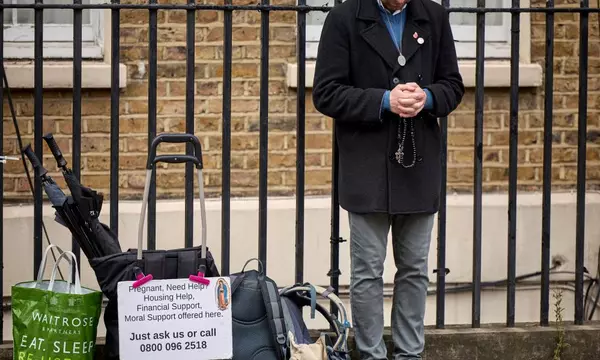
x: 54, y: 319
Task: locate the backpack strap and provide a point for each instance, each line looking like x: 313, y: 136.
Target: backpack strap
x: 236, y: 280
x: 274, y: 309
x: 343, y: 324
x: 303, y: 287
x: 313, y: 300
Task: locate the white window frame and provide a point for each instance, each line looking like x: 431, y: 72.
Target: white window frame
x: 497, y: 39
x: 57, y: 38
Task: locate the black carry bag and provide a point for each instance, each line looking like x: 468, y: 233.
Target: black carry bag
x: 153, y: 264
x: 259, y: 331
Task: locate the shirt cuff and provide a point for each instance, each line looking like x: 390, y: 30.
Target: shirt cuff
x: 428, y: 100
x: 385, y: 102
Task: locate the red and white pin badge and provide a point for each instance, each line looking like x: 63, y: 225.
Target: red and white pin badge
x: 415, y: 35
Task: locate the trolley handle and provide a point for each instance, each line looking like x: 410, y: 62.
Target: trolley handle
x: 196, y: 158
x: 177, y: 159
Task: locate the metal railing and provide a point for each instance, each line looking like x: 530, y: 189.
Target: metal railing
x: 265, y: 9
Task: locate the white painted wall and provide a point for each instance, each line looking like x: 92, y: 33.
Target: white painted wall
x: 18, y: 245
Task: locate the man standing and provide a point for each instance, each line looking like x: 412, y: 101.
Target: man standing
x: 385, y: 71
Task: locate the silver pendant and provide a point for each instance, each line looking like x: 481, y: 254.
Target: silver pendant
x: 401, y: 60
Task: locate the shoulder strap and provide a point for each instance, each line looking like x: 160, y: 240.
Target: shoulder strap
x: 236, y: 281
x: 270, y: 296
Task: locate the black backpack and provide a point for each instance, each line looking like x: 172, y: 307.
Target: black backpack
x: 259, y: 331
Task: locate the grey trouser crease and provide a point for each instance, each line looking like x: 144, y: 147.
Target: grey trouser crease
x: 411, y: 236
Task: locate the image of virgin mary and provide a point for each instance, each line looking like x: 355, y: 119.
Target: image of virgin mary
x: 222, y: 294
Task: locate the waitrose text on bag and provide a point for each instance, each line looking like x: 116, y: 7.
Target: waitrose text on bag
x: 53, y: 320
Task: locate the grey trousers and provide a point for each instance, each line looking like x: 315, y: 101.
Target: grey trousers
x: 411, y: 236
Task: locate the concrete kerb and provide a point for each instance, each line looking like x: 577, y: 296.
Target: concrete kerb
x: 526, y: 342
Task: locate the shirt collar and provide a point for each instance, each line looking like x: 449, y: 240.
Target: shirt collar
x: 384, y: 8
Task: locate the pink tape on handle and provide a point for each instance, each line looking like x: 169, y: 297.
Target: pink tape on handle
x: 142, y: 279
x: 199, y: 278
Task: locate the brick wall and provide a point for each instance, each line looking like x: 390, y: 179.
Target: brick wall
x: 282, y: 109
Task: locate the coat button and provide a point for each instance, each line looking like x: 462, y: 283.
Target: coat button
x: 396, y: 81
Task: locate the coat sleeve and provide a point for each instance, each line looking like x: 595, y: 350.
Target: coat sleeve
x: 333, y: 93
x: 447, y: 87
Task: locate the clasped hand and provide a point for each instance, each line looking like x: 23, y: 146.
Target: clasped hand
x: 407, y: 100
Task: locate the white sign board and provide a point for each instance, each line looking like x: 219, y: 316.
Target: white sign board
x: 175, y: 319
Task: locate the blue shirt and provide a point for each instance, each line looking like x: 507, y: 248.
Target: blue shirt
x: 395, y: 24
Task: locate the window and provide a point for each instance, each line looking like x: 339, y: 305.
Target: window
x: 314, y: 24
x: 58, y: 32
x: 497, y: 29
x: 497, y: 32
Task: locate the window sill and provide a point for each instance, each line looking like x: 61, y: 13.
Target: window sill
x: 59, y: 75
x: 496, y: 74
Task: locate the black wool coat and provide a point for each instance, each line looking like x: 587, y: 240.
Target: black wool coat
x: 356, y: 64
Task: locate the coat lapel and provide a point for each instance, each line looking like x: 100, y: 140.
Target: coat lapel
x: 378, y: 37
x: 376, y: 33
x: 410, y: 45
